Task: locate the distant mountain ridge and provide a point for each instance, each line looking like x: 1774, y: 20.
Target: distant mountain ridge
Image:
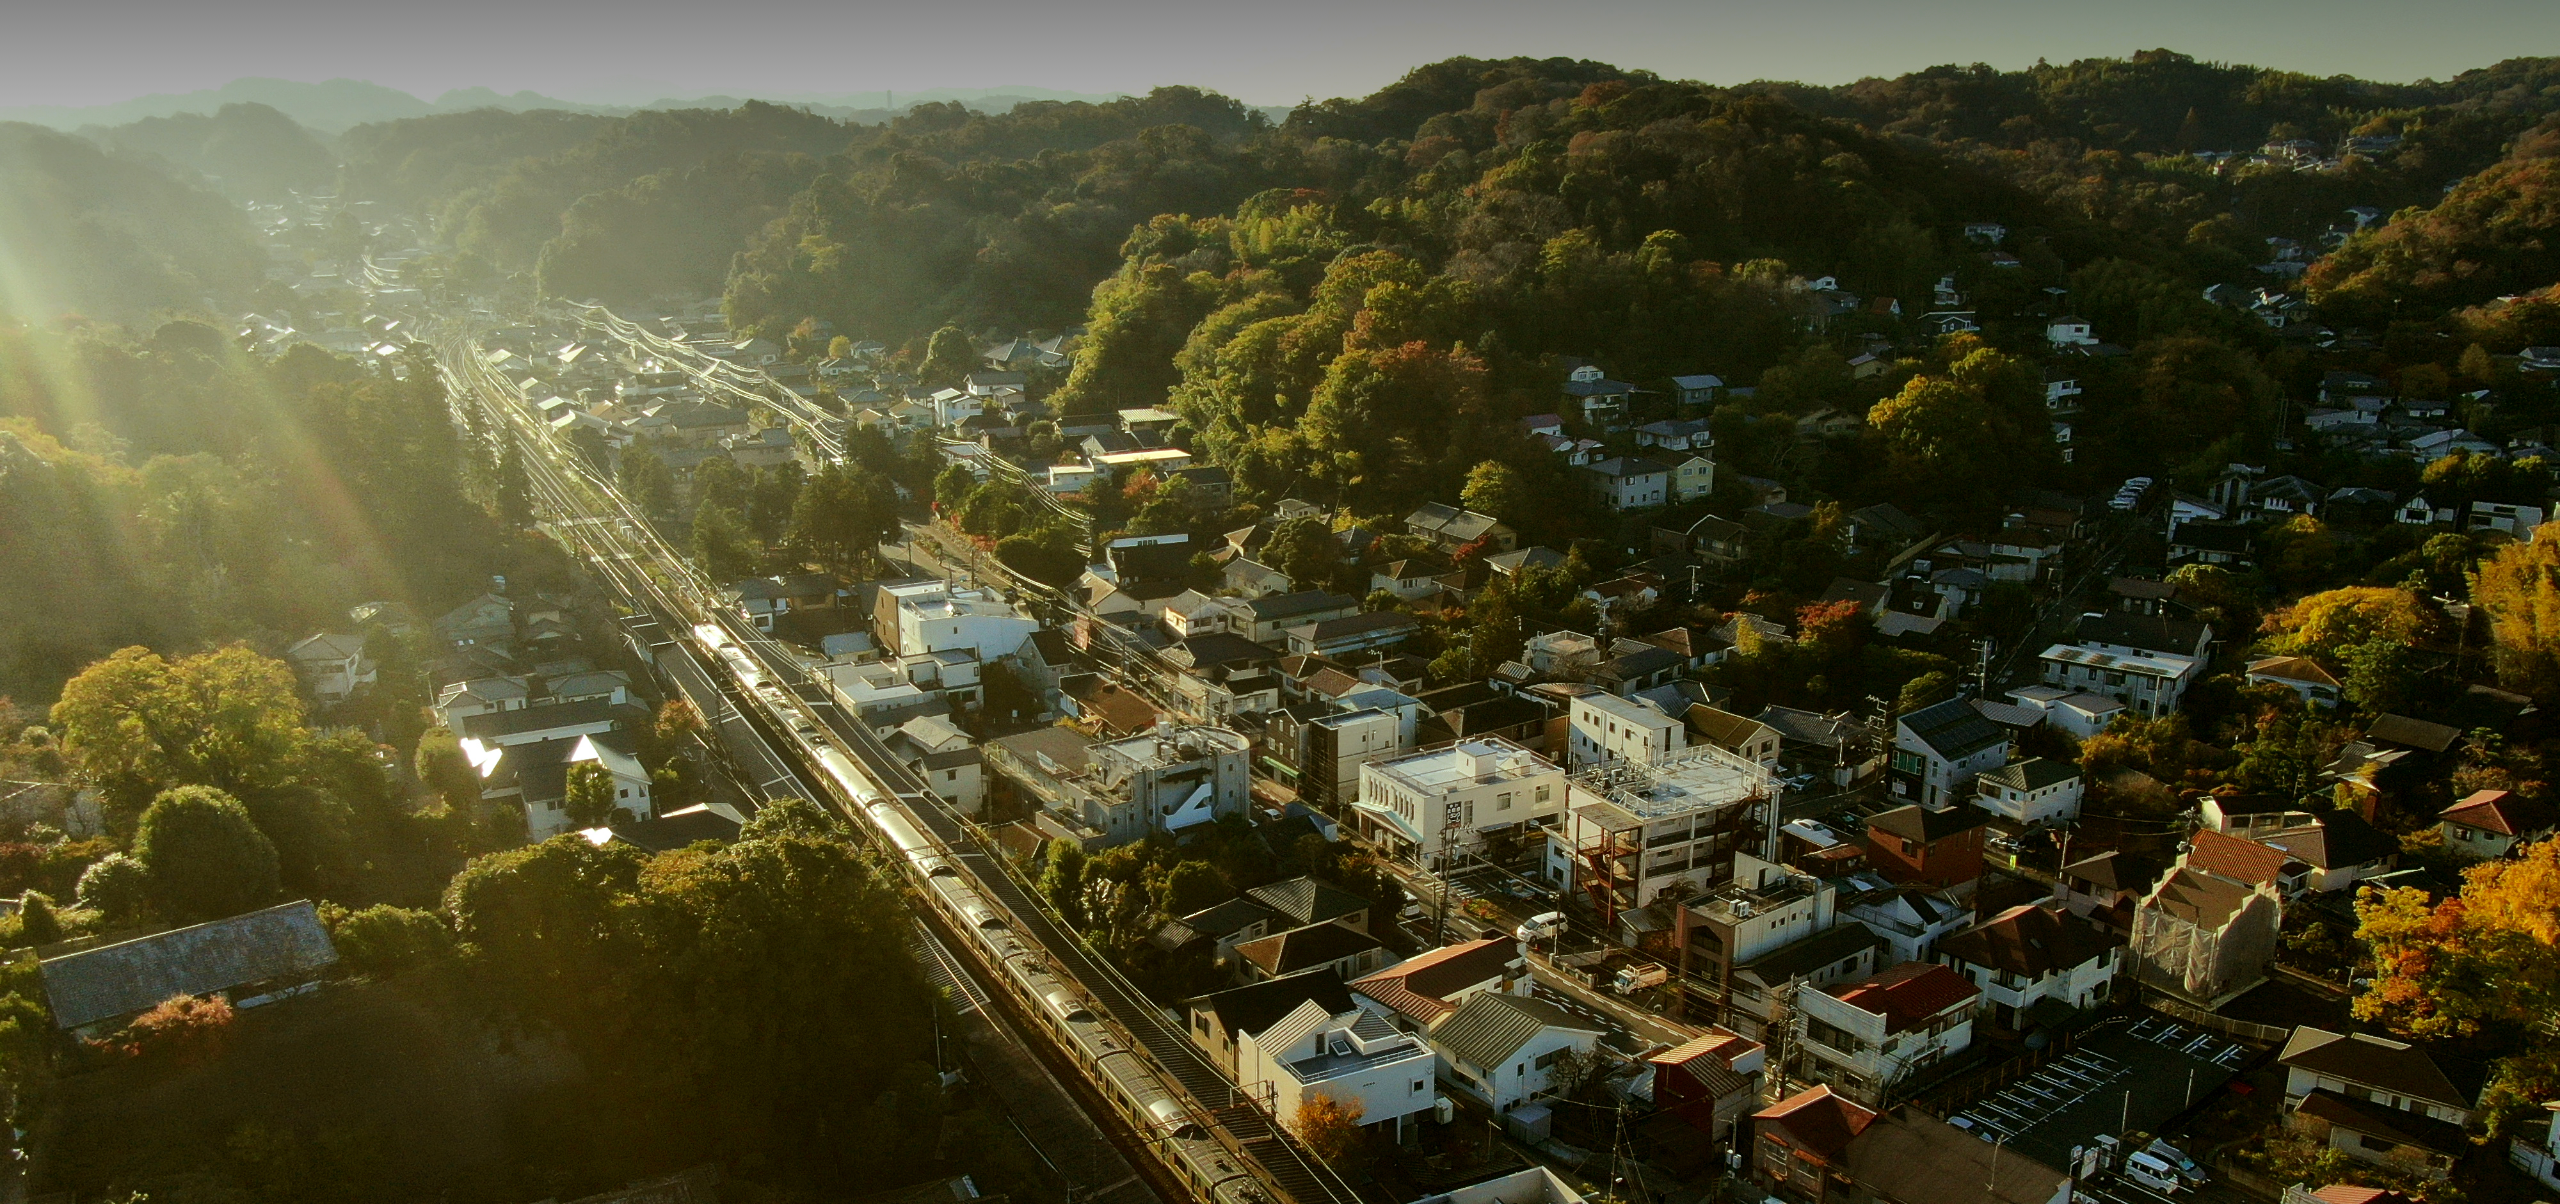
x: 334, y: 106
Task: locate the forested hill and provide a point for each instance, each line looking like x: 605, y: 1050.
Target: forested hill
x: 248, y: 151
x: 115, y: 238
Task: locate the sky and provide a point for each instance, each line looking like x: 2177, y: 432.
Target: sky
x: 79, y: 52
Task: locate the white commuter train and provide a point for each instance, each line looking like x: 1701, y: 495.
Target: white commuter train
x: 1208, y: 1167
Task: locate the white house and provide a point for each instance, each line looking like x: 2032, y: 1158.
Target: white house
x: 2069, y: 332
x: 931, y: 618
x: 2083, y: 715
x: 546, y: 814
x: 2491, y: 823
x: 1605, y: 727
x: 2033, y: 791
x: 2151, y: 683
x: 1503, y: 1050
x: 2030, y: 953
x: 1863, y: 1038
x: 1629, y: 482
x: 2302, y: 675
x: 1939, y: 750
x: 1354, y: 1057
x: 331, y: 666
x: 1446, y: 800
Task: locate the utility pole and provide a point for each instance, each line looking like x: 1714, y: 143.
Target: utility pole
x: 1440, y: 921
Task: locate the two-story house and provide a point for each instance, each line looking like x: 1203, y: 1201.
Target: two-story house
x: 1629, y: 482
x: 2209, y: 927
x: 2037, y: 790
x: 1415, y: 993
x: 1937, y: 846
x: 1503, y: 1050
x: 2383, y: 1101
x: 1938, y: 751
x: 1709, y: 1082
x: 1352, y: 1056
x: 2492, y: 823
x: 2031, y: 953
x: 331, y: 666
x: 1865, y: 1037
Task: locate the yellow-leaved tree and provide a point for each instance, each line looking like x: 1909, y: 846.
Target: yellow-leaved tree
x: 2519, y: 589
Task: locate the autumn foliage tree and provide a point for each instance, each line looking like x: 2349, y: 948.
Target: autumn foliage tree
x: 2519, y: 590
x: 1329, y: 1127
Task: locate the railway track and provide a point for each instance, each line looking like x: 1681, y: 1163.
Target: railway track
x: 1217, y: 1144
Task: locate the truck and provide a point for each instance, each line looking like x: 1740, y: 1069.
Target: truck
x: 1637, y: 977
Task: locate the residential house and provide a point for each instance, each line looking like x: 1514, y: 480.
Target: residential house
x: 2339, y: 850
x: 1744, y: 943
x: 2382, y: 1101
x: 1602, y: 401
x: 253, y: 958
x: 1415, y: 993
x: 1629, y: 482
x: 1449, y: 528
x: 1412, y: 578
x: 1272, y: 615
x: 2081, y: 714
x: 2106, y: 888
x: 1218, y: 928
x: 2494, y: 823
x: 2302, y: 675
x: 1939, y: 846
x: 2223, y: 544
x: 1337, y: 746
x: 1910, y: 920
x: 1865, y: 1038
x: 1353, y: 633
x: 2069, y: 332
x: 1503, y: 1050
x: 487, y: 620
x: 1710, y: 1081
x: 1681, y: 434
x: 498, y: 729
x: 481, y: 696
x: 2150, y: 683
x: 1351, y: 1056
x: 1320, y: 946
x: 1748, y: 739
x: 2030, y: 954
x: 331, y: 666
x: 1302, y: 901
x: 1693, y: 392
x: 2034, y: 791
x: 1220, y: 1020
x: 1938, y: 750
x: 1693, y: 478
x: 1800, y: 1145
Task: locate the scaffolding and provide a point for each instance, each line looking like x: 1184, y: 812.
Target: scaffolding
x: 1674, y: 823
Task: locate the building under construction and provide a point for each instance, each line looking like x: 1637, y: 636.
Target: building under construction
x: 1637, y: 832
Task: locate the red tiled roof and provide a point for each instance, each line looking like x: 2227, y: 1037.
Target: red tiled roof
x: 2226, y: 856
x: 1419, y: 986
x: 2501, y: 811
x: 1909, y: 995
x: 1816, y: 1122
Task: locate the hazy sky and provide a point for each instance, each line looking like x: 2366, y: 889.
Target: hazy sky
x: 1264, y: 51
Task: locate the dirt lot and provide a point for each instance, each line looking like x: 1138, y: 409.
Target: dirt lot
x: 380, y: 1082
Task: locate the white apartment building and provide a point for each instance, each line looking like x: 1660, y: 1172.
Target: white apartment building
x: 933, y: 619
x: 1439, y: 805
x: 1356, y: 1058
x: 1606, y: 728
x: 2150, y: 683
x: 1863, y: 1038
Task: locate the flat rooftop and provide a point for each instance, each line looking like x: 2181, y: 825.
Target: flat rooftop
x: 1466, y: 763
x: 1700, y: 778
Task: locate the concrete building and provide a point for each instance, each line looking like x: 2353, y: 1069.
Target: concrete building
x: 931, y: 618
x: 1606, y: 728
x: 1865, y: 1038
x: 1638, y: 832
x: 1434, y: 807
x: 1336, y: 748
x: 1167, y: 779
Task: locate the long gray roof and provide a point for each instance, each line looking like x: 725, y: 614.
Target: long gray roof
x: 137, y: 975
x: 1485, y: 1029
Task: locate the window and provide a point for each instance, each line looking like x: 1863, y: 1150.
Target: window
x: 626, y: 793
x: 1543, y: 792
x: 1502, y: 801
x: 1420, y: 1085
x: 1548, y: 1058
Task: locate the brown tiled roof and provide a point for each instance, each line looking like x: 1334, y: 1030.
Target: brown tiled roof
x: 2293, y: 668
x: 1419, y: 986
x: 1709, y: 1060
x: 2116, y: 870
x: 2379, y: 1062
x: 2406, y: 1128
x: 2203, y: 900
x: 1305, y: 948
x: 2501, y: 811
x: 1909, y: 995
x: 2227, y: 856
x: 1817, y: 1122
x: 2030, y: 939
x: 2412, y: 733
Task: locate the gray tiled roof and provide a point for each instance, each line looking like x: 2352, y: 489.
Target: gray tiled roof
x: 133, y: 976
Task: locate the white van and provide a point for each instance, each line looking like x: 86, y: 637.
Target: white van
x: 2149, y: 1171
x: 2178, y: 1161
x: 1540, y: 927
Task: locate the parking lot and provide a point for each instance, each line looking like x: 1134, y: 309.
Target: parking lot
x: 2130, y: 1075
